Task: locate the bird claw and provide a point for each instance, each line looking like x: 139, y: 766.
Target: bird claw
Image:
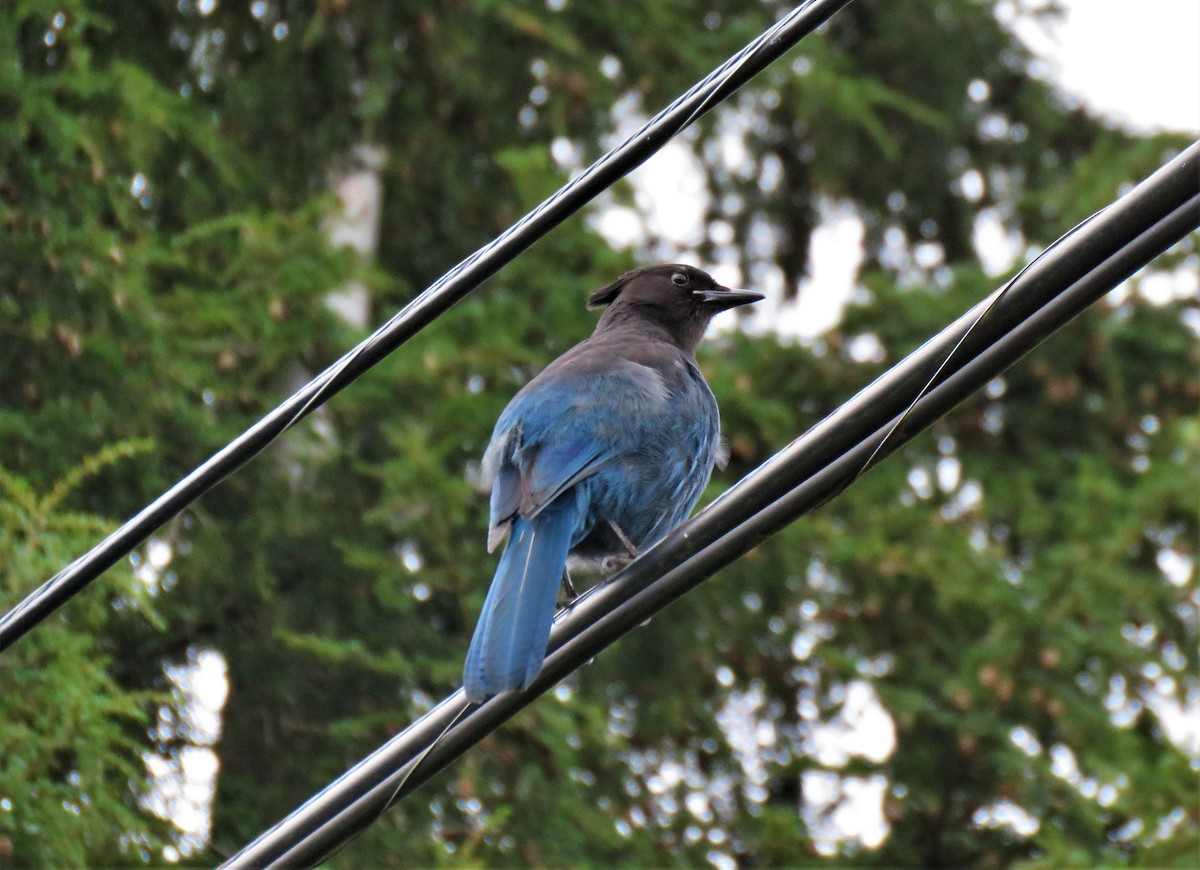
x: 616, y: 562
x: 612, y: 564
x: 571, y: 595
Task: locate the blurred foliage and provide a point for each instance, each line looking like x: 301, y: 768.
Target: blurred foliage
x: 70, y: 747
x: 1016, y: 588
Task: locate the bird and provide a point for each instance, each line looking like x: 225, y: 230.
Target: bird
x: 598, y: 457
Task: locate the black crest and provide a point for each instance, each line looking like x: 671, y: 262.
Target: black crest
x: 606, y: 294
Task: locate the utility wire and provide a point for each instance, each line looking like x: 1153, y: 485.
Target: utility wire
x: 431, y: 303
x: 1071, y: 275
x: 878, y: 452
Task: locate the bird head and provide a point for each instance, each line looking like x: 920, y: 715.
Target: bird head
x: 680, y: 299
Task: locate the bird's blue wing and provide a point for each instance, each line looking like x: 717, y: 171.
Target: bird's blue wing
x: 545, y: 442
x: 590, y: 407
x: 558, y: 464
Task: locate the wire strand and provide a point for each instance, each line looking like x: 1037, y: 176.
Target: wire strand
x: 970, y: 331
x: 416, y: 764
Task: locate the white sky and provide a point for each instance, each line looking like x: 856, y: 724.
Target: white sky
x: 1138, y: 63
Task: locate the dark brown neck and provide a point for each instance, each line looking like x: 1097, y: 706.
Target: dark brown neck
x: 654, y: 323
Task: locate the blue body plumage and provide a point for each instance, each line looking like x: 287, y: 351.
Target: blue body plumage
x: 609, y: 447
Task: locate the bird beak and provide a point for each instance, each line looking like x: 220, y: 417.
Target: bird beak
x: 722, y: 298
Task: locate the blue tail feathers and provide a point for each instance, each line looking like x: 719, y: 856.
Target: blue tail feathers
x: 510, y: 640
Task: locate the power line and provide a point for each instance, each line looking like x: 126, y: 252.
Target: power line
x: 1064, y: 281
x: 431, y: 303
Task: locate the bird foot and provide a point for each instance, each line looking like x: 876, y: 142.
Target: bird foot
x: 571, y: 595
x: 612, y: 564
x: 630, y: 550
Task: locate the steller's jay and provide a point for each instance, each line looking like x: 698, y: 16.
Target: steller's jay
x: 600, y: 455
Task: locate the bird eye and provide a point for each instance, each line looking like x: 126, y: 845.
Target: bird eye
x: 679, y: 279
